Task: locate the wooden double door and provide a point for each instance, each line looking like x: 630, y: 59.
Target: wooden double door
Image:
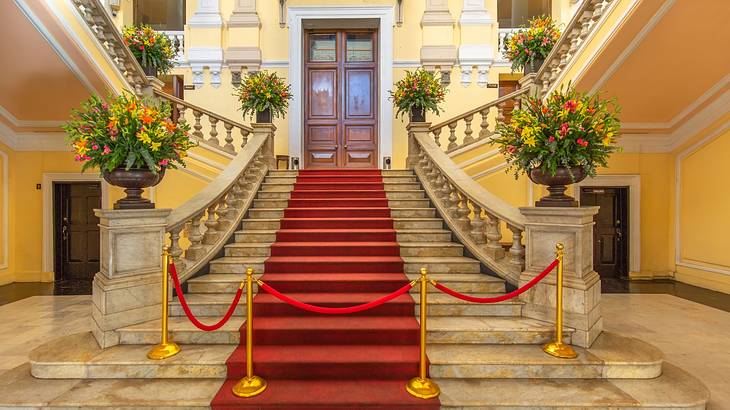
x: 340, y: 98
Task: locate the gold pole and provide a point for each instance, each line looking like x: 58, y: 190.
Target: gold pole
x: 558, y: 348
x: 421, y: 386
x: 251, y: 385
x: 166, y: 348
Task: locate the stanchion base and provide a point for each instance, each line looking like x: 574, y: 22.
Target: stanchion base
x: 423, y: 388
x: 163, y: 351
x: 560, y: 350
x: 249, y: 386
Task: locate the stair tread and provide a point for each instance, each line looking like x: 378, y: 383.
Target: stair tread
x: 182, y: 323
x: 458, y: 277
x: 326, y: 277
x: 338, y: 259
x: 331, y: 354
x: 336, y: 322
x: 439, y: 259
x: 489, y: 323
x: 324, y: 299
x: 334, y: 244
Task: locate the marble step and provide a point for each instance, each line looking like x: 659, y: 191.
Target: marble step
x: 674, y: 389
x: 446, y: 264
x: 611, y: 356
x: 440, y: 304
x: 248, y: 249
x: 398, y: 223
x: 208, y: 304
x: 423, y: 235
x: 386, y: 185
x: 403, y: 179
x: 78, y: 356
x: 184, y: 332
x: 465, y: 283
x: 431, y: 249
x: 409, y: 203
x: 397, y: 172
x: 390, y: 194
x: 491, y: 330
x: 283, y: 172
x: 278, y: 213
x: 258, y: 236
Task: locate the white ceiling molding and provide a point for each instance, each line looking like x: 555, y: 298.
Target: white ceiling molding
x: 678, y: 260
x: 15, y: 122
x: 36, y: 22
x: 637, y: 40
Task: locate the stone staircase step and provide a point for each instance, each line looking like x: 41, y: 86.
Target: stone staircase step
x: 207, y: 304
x: 423, y: 235
x: 237, y: 264
x: 431, y: 249
x: 674, y: 389
x: 78, y: 356
x: 440, y: 304
x: 409, y: 203
x: 418, y: 223
x: 248, y: 249
x: 425, y: 212
x: 184, y: 332
x: 266, y: 213
x: 611, y: 356
x: 491, y: 330
x: 258, y: 224
x: 258, y: 236
x: 465, y: 282
x: 444, y: 264
x: 396, y: 172
x: 216, y: 283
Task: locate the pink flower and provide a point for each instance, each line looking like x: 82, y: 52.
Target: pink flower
x: 563, y: 129
x: 95, y: 147
x: 106, y: 151
x: 511, y: 149
x: 582, y: 142
x: 551, y: 139
x: 86, y: 157
x: 164, y: 162
x: 77, y: 157
x: 570, y: 105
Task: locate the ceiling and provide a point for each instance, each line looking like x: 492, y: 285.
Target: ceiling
x: 46, y: 75
x: 667, y: 64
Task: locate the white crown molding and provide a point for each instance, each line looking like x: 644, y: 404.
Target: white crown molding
x: 15, y: 122
x: 678, y: 260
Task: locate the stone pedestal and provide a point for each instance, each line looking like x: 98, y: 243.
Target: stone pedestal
x: 413, y: 128
x: 268, y: 130
x: 544, y: 227
x: 126, y: 291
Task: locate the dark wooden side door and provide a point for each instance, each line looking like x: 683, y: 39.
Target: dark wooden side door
x: 508, y: 87
x: 77, y: 232
x: 610, y: 233
x: 340, y: 98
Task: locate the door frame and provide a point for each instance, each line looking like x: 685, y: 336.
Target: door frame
x: 386, y: 17
x: 48, y: 260
x: 633, y: 182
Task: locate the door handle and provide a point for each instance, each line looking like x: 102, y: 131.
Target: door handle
x: 64, y: 232
x: 345, y: 146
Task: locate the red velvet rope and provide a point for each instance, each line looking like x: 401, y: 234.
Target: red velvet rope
x: 500, y: 298
x: 200, y: 325
x: 332, y: 310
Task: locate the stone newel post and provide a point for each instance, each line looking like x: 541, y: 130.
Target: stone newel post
x: 544, y: 227
x: 414, y: 128
x: 126, y: 291
x: 268, y: 130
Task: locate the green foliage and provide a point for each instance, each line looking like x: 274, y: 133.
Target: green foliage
x: 129, y: 132
x: 525, y: 46
x: 420, y: 89
x: 261, y: 90
x: 569, y: 129
x: 149, y: 47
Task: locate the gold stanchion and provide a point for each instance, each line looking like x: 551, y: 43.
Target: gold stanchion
x: 558, y: 348
x: 421, y: 386
x: 166, y: 348
x: 251, y: 385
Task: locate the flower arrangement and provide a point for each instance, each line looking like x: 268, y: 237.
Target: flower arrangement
x: 261, y: 91
x: 152, y: 49
x: 534, y: 43
x: 127, y: 132
x: 420, y: 90
x: 568, y: 129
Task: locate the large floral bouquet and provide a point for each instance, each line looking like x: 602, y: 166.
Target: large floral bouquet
x: 263, y: 90
x: 152, y: 49
x: 419, y: 89
x: 534, y: 43
x: 127, y: 132
x: 569, y: 129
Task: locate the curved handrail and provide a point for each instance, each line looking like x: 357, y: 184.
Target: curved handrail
x: 187, y: 104
x: 511, y: 96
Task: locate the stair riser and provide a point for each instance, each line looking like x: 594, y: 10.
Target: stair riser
x: 544, y: 371
x: 265, y: 213
x: 222, y: 337
x: 327, y: 371
x: 405, y: 195
x: 253, y: 237
x: 335, y: 336
x: 273, y: 195
x: 337, y: 213
x: 216, y: 287
x: 340, y: 250
x: 131, y: 371
x: 324, y: 267
x: 447, y: 267
x: 416, y: 224
x: 259, y: 225
x: 225, y: 267
x: 248, y: 251
x: 333, y: 178
x: 213, y: 309
x: 420, y: 237
x: 336, y: 203
x: 336, y: 286
x: 276, y: 188
x: 474, y: 309
x: 432, y: 251
x: 465, y: 287
x: 492, y: 337
x: 413, y: 213
x: 409, y: 203
x: 396, y: 172
x: 290, y: 236
x: 337, y: 224
x: 283, y: 173
x: 339, y: 172
x: 346, y: 186
x: 283, y: 309
x: 338, y: 194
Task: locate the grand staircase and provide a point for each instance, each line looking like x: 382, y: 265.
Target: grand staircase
x: 341, y: 238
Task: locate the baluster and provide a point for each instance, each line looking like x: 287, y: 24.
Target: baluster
x: 427, y: 168
x: 438, y: 183
x: 197, y: 127
x: 213, y: 140
x: 445, y: 192
x: 453, y: 202
x: 477, y: 226
x: 244, y: 135
x: 195, y: 235
x: 211, y: 223
x: 175, y: 250
x: 500, y: 112
x: 517, y: 250
x: 436, y: 136
x: 452, y: 136
x: 484, y: 132
x: 468, y: 139
x: 181, y: 121
x: 494, y: 235
x: 422, y: 159
x: 229, y: 139
x: 433, y: 173
x: 463, y: 212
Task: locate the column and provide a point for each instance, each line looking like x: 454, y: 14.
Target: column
x: 243, y: 50
x: 126, y: 291
x: 204, y: 41
x: 475, y: 49
x: 544, y: 227
x: 438, y: 50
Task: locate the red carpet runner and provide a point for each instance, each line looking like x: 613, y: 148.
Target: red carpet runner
x: 336, y: 247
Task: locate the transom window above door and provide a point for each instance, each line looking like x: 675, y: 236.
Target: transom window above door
x: 162, y: 15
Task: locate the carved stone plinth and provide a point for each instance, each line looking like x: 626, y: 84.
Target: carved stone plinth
x: 127, y: 291
x: 544, y: 227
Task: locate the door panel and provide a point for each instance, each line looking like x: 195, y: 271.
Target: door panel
x: 77, y: 231
x: 340, y: 124
x: 610, y: 233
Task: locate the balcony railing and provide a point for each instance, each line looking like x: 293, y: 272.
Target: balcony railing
x: 177, y: 39
x: 503, y: 33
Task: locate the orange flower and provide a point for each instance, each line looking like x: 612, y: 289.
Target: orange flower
x: 170, y: 126
x: 146, y: 118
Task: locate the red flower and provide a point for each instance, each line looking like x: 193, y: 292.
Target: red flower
x: 563, y: 130
x: 551, y: 139
x: 570, y: 105
x: 582, y: 142
x: 511, y: 149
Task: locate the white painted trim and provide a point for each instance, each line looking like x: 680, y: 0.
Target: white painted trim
x: 406, y: 63
x: 5, y: 212
x: 195, y: 174
x: 489, y: 171
x: 25, y: 123
x: 633, y: 182
x: 479, y: 158
x: 47, y: 206
x: 38, y: 24
x: 386, y: 15
x: 466, y: 148
x: 207, y: 161
x: 678, y: 200
x: 635, y: 42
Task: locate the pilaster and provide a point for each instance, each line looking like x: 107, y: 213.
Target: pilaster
x: 544, y: 227
x: 243, y: 51
x: 126, y: 291
x: 438, y: 50
x: 203, y: 42
x: 477, y: 28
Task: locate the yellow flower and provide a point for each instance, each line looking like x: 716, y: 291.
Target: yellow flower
x: 154, y: 146
x: 607, y: 139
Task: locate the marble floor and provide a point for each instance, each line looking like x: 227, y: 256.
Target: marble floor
x: 692, y: 336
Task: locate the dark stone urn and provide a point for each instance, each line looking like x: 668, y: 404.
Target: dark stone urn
x: 133, y: 181
x: 534, y: 66
x: 557, y: 184
x: 150, y: 71
x: 418, y: 114
x: 263, y: 117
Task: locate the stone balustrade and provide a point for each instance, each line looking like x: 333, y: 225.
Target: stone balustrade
x: 177, y: 41
x: 502, y: 35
